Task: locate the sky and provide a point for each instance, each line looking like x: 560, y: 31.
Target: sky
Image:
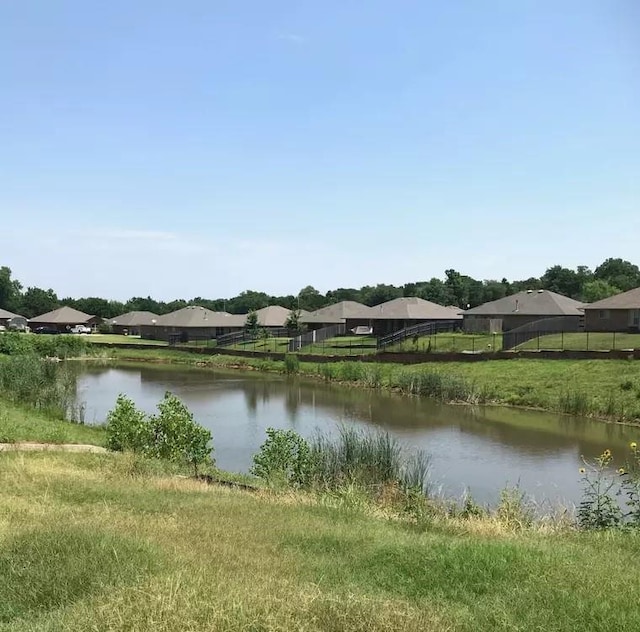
x: 198, y: 148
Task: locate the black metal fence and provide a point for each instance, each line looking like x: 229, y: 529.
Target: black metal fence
x: 543, y: 327
x: 315, y: 337
x: 417, y: 331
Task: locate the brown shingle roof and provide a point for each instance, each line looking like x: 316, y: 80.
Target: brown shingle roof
x: 413, y: 308
x: 196, y: 316
x: 529, y: 303
x: 134, y: 319
x: 273, y: 316
x: 338, y: 313
x: 625, y: 300
x: 63, y: 316
x: 5, y: 315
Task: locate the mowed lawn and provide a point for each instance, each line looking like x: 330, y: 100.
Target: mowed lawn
x: 343, y: 345
x: 583, y: 341
x: 451, y: 342
x: 107, y: 543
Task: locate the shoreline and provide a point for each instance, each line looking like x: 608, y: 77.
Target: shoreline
x: 483, y: 384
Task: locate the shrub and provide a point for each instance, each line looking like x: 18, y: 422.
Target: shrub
x: 172, y: 434
x: 127, y: 427
x: 283, y: 458
x: 175, y: 436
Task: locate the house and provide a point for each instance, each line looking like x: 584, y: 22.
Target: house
x: 131, y: 322
x: 12, y: 321
x: 63, y: 319
x: 616, y: 313
x: 193, y: 323
x: 350, y: 313
x: 407, y: 311
x: 522, y: 308
x: 274, y: 316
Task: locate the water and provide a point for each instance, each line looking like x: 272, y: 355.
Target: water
x: 477, y: 448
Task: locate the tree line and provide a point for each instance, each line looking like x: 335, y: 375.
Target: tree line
x: 460, y: 290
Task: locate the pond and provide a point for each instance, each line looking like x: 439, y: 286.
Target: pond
x: 482, y: 449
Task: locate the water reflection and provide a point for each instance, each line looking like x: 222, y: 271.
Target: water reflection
x: 477, y: 448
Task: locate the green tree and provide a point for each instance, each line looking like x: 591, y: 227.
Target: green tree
x: 379, y: 294
x: 619, y: 273
x: 598, y: 289
x: 310, y: 299
x: 140, y: 304
x: 251, y: 325
x: 9, y: 290
x: 247, y: 301
x: 293, y: 324
x: 36, y: 301
x: 562, y: 281
x: 435, y: 291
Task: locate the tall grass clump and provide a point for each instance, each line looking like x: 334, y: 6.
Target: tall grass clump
x: 447, y: 388
x: 353, y: 459
x: 574, y: 403
x: 349, y: 371
x: 43, y: 385
x: 291, y: 364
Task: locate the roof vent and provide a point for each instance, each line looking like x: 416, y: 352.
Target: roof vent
x: 529, y: 291
x: 540, y: 291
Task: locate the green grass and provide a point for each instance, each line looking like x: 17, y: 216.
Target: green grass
x: 263, y: 345
x: 19, y: 423
x: 582, y: 341
x: 451, y: 342
x: 342, y: 346
x: 119, y: 338
x: 103, y: 543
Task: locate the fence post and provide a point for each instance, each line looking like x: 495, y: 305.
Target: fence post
x: 473, y: 344
x: 538, y: 341
x: 587, y: 341
x: 614, y: 340
x: 562, y: 340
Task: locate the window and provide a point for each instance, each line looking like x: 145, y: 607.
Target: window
x: 634, y: 318
x: 603, y: 314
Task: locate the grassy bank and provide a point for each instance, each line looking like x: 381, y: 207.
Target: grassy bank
x: 606, y: 389
x: 110, y: 543
x: 20, y: 423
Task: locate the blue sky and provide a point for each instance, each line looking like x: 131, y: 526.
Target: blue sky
x: 203, y: 148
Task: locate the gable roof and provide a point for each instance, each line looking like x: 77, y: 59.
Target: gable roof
x: 413, y: 308
x: 6, y: 315
x: 272, y: 316
x: 134, y: 319
x: 196, y: 316
x: 529, y: 303
x: 63, y: 316
x: 625, y: 300
x: 338, y: 313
